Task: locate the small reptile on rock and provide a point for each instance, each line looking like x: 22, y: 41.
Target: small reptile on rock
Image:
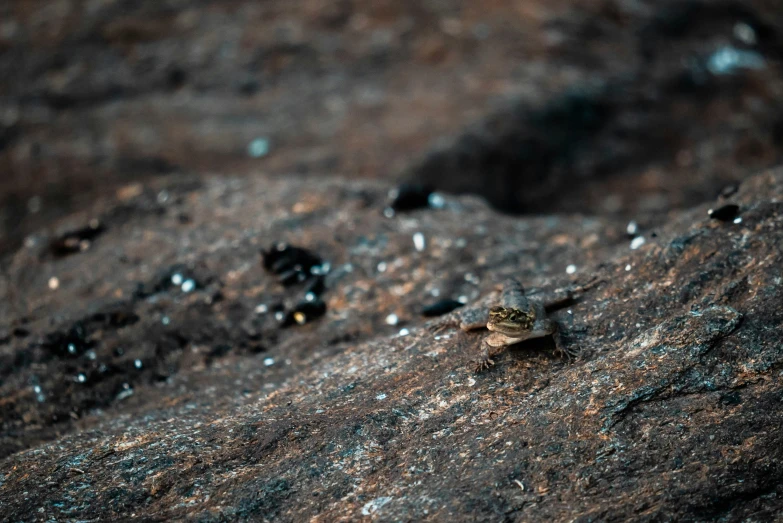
x: 516, y: 318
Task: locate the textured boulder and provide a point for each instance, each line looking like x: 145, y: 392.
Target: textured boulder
x: 147, y: 374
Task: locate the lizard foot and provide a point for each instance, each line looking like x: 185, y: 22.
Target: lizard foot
x: 483, y: 364
x: 569, y: 353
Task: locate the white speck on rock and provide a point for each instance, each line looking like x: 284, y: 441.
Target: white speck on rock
x: 571, y: 269
x: 381, y: 396
x: 744, y: 33
x: 728, y: 60
x: 637, y: 242
x: 258, y: 148
x: 436, y: 201
x: 268, y: 362
x: 392, y: 319
x: 419, y: 242
x: 472, y: 278
x: 372, y: 507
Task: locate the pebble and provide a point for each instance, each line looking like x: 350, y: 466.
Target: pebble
x: 419, y: 242
x: 258, y: 148
x: 744, y: 33
x: 303, y: 313
x: 637, y: 242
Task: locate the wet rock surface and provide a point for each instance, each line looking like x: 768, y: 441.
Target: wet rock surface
x: 192, y: 402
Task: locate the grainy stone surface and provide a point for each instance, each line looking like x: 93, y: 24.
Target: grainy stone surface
x: 152, y: 368
x: 671, y: 412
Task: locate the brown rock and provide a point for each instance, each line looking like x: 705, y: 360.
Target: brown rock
x: 671, y: 412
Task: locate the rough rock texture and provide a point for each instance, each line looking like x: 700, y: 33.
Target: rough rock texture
x: 671, y: 412
x: 153, y: 366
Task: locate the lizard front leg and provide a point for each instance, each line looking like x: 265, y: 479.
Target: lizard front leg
x: 491, y: 346
x: 548, y: 327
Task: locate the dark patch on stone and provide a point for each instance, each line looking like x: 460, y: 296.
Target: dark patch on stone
x: 725, y: 213
x: 75, y: 241
x: 304, y: 312
x: 440, y: 308
x: 292, y: 264
x: 411, y: 196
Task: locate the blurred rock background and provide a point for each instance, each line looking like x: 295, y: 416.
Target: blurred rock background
x: 628, y: 108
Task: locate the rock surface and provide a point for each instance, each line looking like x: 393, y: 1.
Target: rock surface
x: 595, y: 106
x: 154, y: 365
x: 194, y: 403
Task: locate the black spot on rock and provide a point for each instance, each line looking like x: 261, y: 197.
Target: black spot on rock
x: 725, y: 213
x: 293, y: 264
x: 304, y: 312
x: 411, y: 196
x: 75, y: 241
x: 440, y: 308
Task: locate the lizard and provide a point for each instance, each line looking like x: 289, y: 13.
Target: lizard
x: 516, y: 318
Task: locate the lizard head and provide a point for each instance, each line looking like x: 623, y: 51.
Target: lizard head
x: 510, y: 321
